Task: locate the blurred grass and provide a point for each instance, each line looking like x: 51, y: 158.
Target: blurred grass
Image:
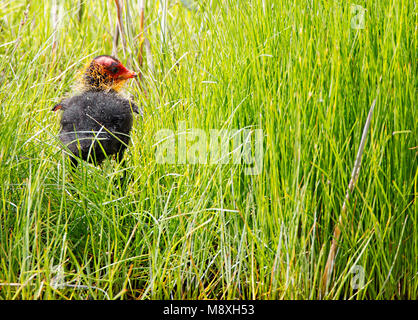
x: 298, y: 71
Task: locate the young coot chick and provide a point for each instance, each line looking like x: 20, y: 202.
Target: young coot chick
x: 96, y: 123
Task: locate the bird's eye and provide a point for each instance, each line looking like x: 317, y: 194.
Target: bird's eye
x: 114, y: 69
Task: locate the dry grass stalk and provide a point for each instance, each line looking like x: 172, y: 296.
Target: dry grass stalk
x: 22, y: 23
x: 337, y: 231
x: 141, y: 39
x: 118, y: 30
x: 141, y: 33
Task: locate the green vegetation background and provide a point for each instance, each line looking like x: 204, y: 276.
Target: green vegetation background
x: 295, y: 69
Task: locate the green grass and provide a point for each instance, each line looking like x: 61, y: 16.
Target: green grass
x: 296, y: 70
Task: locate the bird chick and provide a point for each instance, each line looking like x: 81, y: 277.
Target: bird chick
x: 96, y: 122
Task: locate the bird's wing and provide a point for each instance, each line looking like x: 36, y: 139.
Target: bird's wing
x: 59, y: 106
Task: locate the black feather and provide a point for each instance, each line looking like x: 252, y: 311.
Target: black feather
x: 96, y: 124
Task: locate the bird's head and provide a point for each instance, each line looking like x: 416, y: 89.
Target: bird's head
x: 105, y: 73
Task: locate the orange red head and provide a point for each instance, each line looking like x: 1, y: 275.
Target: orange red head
x: 104, y: 73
